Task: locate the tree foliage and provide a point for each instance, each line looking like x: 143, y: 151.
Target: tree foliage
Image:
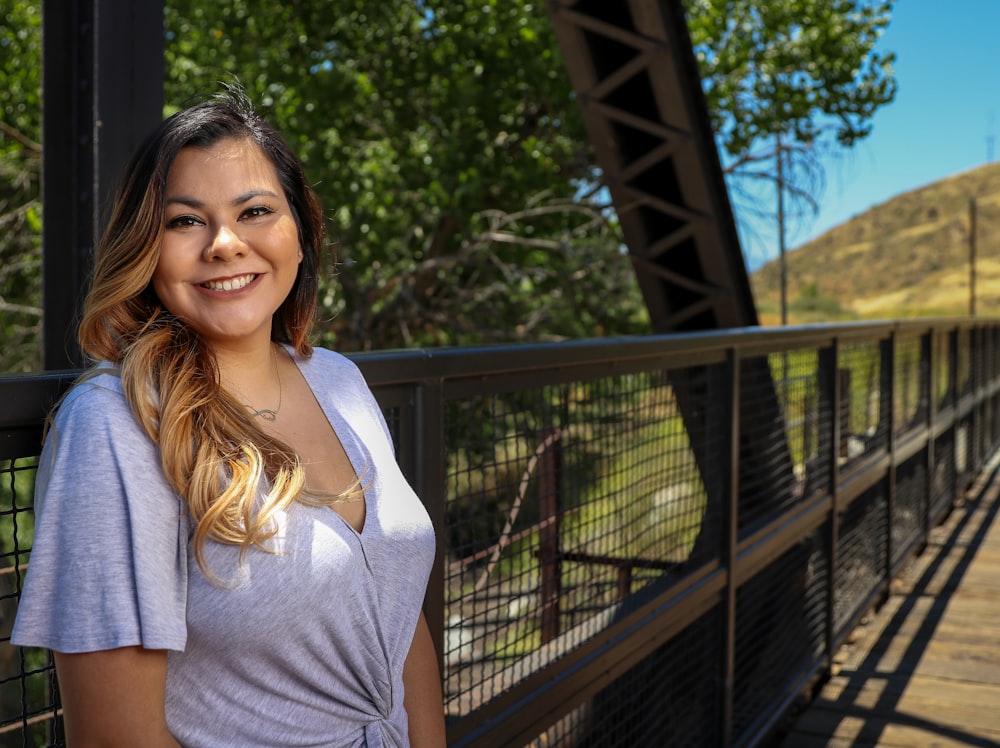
x: 20, y: 176
x: 799, y: 70
x: 447, y: 147
x: 790, y: 81
x: 446, y: 143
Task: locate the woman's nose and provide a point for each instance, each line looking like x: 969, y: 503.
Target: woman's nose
x: 225, y: 245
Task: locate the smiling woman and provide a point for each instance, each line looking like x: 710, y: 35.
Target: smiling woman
x: 230, y: 250
x: 226, y: 552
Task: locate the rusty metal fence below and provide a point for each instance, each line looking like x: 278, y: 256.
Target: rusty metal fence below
x: 656, y: 541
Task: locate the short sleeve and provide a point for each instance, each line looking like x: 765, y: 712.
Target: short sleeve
x: 108, y: 566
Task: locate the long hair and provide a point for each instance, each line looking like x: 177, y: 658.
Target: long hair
x: 211, y: 451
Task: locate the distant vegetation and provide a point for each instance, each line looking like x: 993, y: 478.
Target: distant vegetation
x: 907, y: 257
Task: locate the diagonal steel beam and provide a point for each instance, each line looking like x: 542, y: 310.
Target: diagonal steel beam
x: 633, y: 68
x: 636, y: 78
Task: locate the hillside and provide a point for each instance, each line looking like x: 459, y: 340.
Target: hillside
x: 906, y: 257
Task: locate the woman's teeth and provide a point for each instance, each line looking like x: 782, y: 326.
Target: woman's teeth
x: 232, y: 284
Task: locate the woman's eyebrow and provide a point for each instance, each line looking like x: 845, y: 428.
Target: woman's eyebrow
x: 247, y: 196
x: 192, y: 202
x: 189, y: 201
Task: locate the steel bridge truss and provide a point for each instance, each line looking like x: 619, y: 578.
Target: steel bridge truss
x: 636, y: 78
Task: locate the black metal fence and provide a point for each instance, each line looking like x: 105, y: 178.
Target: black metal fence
x: 659, y: 541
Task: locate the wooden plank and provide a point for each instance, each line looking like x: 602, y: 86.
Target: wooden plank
x: 902, y: 707
x: 925, y: 669
x: 856, y: 733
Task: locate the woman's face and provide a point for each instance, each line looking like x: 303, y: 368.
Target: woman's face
x: 230, y: 251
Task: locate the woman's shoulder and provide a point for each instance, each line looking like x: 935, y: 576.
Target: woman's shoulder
x: 98, y: 390
x: 329, y: 357
x: 327, y: 365
x: 95, y: 409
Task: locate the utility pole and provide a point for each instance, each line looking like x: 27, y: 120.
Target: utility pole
x: 781, y: 232
x: 972, y: 257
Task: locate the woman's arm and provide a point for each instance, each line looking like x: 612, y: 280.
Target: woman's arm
x: 422, y: 691
x: 114, y: 697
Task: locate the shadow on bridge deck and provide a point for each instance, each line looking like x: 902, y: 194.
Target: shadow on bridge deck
x: 925, y: 669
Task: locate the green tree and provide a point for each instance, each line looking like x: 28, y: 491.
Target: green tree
x: 20, y: 171
x: 800, y: 69
x: 447, y: 146
x: 448, y: 149
x: 795, y: 79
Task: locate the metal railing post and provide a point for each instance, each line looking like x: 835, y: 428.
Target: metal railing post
x: 928, y: 371
x: 953, y: 396
x: 550, y: 504
x: 730, y: 391
x: 829, y: 397
x: 430, y: 483
x: 105, y: 83
x: 887, y: 415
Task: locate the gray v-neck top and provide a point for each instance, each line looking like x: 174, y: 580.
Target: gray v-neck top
x: 301, y: 646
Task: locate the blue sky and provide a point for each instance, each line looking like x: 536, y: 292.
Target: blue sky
x: 946, y: 110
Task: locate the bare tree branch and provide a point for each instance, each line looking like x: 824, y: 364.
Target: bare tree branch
x: 19, y: 308
x: 17, y: 135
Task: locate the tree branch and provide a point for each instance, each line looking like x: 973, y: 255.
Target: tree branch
x: 16, y: 135
x: 19, y: 308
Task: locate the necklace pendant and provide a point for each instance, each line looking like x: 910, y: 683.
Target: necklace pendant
x: 267, y: 413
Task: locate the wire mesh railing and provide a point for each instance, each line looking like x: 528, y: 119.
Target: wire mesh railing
x: 657, y: 541
x: 28, y: 695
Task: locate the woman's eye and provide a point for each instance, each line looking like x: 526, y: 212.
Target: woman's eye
x: 181, y: 222
x: 257, y: 211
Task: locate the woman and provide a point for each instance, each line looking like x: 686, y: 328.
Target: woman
x: 226, y: 552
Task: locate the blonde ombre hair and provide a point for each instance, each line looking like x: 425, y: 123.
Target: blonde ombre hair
x: 211, y: 451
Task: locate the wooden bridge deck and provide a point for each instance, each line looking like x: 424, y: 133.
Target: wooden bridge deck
x: 925, y: 669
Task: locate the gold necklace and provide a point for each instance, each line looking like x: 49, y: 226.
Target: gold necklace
x: 267, y: 413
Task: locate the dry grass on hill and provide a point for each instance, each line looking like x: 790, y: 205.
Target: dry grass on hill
x: 906, y: 257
